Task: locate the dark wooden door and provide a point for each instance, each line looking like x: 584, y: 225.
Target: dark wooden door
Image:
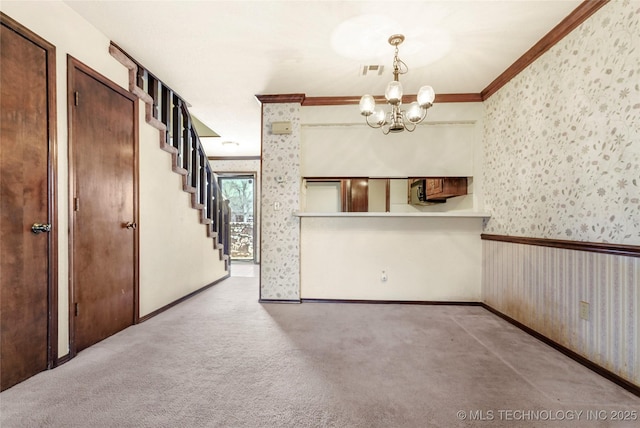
x: 26, y: 194
x: 103, y: 147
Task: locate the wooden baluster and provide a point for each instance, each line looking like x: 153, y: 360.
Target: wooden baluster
x: 152, y: 90
x: 166, y: 112
x: 209, y: 193
x: 195, y: 162
x: 203, y: 177
x: 197, y: 171
x: 158, y: 101
x: 216, y: 199
x: 177, y: 127
x: 218, y: 196
x: 221, y: 205
x: 186, y: 139
x: 226, y: 228
x: 140, y: 77
x: 220, y: 219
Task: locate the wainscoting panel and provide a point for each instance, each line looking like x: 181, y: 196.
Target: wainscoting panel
x: 542, y: 288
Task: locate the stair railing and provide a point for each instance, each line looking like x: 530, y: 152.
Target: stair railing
x: 167, y: 111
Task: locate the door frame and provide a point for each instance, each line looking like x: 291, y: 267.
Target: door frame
x: 252, y: 175
x: 52, y: 185
x: 72, y: 65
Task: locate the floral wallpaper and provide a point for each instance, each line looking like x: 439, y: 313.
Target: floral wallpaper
x: 562, y: 139
x: 235, y: 165
x: 280, y: 244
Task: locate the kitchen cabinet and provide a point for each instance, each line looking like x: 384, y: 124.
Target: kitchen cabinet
x: 431, y: 190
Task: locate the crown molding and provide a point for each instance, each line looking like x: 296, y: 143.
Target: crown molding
x: 281, y: 98
x: 355, y: 99
x: 575, y: 18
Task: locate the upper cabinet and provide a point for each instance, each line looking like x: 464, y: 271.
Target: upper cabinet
x: 434, y: 190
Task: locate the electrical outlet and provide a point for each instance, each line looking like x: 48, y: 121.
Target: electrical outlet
x: 383, y: 276
x: 584, y: 310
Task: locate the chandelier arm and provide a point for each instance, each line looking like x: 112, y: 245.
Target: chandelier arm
x: 374, y: 126
x: 408, y: 125
x: 424, y: 115
x: 403, y: 68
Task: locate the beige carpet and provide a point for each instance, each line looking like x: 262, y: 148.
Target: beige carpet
x: 223, y: 360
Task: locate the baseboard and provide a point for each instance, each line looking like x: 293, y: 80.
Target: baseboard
x: 64, y: 359
x: 278, y: 301
x: 180, y: 300
x: 631, y: 387
x: 391, y: 302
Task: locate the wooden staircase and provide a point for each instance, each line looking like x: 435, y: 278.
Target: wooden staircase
x: 168, y: 112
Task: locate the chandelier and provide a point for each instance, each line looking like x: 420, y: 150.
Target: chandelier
x: 397, y: 120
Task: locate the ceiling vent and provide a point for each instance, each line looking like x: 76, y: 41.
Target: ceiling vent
x: 372, y: 70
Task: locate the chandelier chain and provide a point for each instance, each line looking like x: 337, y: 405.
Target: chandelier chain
x: 399, y: 66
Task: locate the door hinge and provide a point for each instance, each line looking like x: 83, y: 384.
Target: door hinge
x: 76, y: 96
x: 76, y: 204
x: 75, y: 309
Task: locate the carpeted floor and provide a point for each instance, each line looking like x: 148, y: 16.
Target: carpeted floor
x: 221, y: 359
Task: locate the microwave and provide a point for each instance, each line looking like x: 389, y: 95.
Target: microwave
x: 418, y: 194
x: 436, y: 190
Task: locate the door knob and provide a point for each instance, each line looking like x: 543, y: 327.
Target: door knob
x: 39, y: 228
x: 131, y: 225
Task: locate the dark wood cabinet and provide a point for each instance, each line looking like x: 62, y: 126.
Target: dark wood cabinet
x: 435, y: 189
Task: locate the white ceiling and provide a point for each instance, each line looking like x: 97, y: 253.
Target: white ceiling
x: 219, y: 54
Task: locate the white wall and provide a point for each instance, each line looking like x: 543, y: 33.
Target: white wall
x: 336, y: 142
x: 322, y: 196
x: 176, y: 255
x: 425, y: 258
x: 161, y: 280
x: 377, y: 195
